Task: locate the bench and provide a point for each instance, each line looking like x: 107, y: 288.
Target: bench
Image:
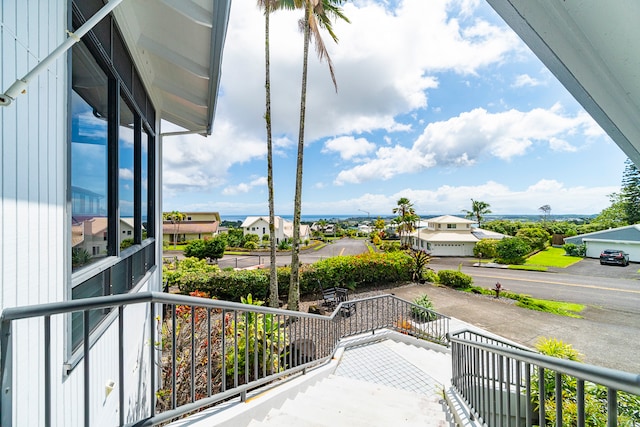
x: 332, y: 297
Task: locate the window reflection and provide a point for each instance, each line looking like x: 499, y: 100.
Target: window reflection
x: 125, y: 175
x: 144, y: 183
x: 89, y: 169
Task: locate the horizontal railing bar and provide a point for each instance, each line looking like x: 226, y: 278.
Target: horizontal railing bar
x: 612, y: 378
x: 37, y: 310
x: 511, y: 344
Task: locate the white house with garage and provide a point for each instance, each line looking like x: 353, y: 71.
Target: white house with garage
x: 283, y: 229
x: 449, y: 235
x: 626, y: 239
x: 85, y: 86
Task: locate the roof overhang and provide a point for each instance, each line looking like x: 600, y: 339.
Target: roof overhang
x: 177, y: 47
x: 592, y: 48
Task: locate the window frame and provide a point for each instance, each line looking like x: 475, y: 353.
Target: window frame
x: 140, y: 260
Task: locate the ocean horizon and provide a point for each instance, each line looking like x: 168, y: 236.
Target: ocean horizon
x: 331, y: 217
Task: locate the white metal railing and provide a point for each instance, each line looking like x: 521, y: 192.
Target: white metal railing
x: 208, y: 350
x: 509, y: 385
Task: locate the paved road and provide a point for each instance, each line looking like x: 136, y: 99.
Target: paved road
x: 338, y: 247
x: 612, y: 292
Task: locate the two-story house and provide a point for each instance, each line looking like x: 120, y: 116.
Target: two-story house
x: 449, y: 235
x: 283, y: 229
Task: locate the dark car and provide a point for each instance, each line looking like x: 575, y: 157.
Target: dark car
x: 614, y: 256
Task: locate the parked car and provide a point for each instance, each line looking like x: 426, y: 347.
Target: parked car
x: 614, y: 256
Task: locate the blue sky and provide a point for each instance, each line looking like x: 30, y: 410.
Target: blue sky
x: 438, y: 101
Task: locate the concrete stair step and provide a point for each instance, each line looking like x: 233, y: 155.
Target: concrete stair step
x: 425, y: 360
x: 337, y: 401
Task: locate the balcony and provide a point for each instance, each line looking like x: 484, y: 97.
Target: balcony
x: 235, y: 364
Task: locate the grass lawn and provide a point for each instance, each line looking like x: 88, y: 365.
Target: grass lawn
x: 552, y: 257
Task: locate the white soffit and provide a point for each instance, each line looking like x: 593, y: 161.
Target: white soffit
x: 592, y: 47
x: 177, y: 47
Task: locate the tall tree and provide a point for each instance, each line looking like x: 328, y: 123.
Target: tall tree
x: 546, y: 210
x: 478, y: 210
x: 406, y: 218
x: 317, y: 14
x: 268, y: 6
x: 175, y: 218
x: 631, y: 192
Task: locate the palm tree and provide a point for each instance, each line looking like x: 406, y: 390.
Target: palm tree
x: 268, y: 6
x: 478, y: 210
x: 175, y: 218
x: 318, y: 14
x: 406, y: 217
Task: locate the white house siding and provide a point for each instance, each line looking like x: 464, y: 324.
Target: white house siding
x: 35, y: 234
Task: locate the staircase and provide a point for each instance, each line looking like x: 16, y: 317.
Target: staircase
x: 341, y: 401
x: 373, y: 380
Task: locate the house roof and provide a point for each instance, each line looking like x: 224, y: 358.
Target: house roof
x: 190, y: 227
x: 250, y: 220
x: 481, y: 233
x: 627, y: 233
x: 447, y: 236
x: 593, y: 51
x: 177, y: 47
x: 449, y: 219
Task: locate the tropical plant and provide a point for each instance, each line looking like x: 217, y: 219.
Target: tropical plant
x: 175, y: 218
x: 420, y: 260
x: 258, y: 335
x: 406, y: 219
x: 478, y: 210
x: 79, y: 257
x: 423, y: 302
x: 317, y: 14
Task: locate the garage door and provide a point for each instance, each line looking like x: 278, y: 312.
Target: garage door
x: 452, y: 249
x: 595, y: 247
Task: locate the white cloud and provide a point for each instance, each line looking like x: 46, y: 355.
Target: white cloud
x: 245, y: 187
x: 503, y: 198
x: 466, y: 139
x: 126, y: 174
x: 349, y: 147
x: 420, y: 36
x: 526, y: 80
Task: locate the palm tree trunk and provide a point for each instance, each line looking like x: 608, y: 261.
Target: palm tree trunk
x: 273, y: 276
x: 294, y: 285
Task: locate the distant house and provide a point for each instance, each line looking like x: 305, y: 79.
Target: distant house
x: 283, y: 229
x: 449, y: 236
x: 623, y: 238
x: 91, y: 235
x: 196, y: 225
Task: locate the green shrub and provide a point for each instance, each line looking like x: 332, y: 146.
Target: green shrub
x: 572, y: 249
x: 486, y: 247
x: 454, y: 278
x: 594, y: 395
x: 192, y: 267
x: 430, y: 275
x: 512, y: 250
x: 536, y: 237
x: 422, y: 315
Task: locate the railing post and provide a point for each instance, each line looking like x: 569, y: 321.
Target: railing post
x: 47, y: 371
x: 121, y: 366
x: 612, y: 407
x: 87, y: 371
x: 152, y: 357
x: 6, y: 368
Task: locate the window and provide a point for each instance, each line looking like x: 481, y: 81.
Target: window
x: 450, y: 226
x: 111, y: 167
